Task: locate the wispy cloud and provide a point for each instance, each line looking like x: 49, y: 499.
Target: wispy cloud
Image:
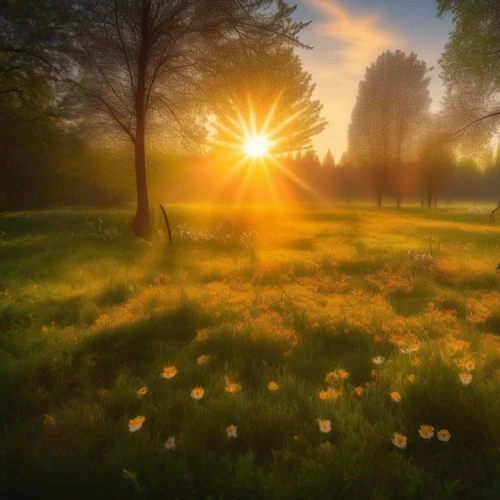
x: 360, y: 38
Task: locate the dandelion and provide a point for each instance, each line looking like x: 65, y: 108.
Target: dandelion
x: 197, y: 393
x: 169, y: 372
x: 411, y: 378
x: 49, y: 421
x: 325, y: 425
x: 142, y: 391
x: 203, y: 359
x: 136, y: 423
x: 396, y: 397
x: 470, y: 365
x: 358, y: 390
x: 170, y: 443
x: 273, y: 386
x: 329, y: 395
x: 444, y: 435
x: 232, y: 431
x: 399, y: 441
x: 465, y: 378
x: 426, y: 431
x: 378, y: 360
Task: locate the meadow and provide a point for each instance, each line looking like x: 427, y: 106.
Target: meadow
x: 273, y: 352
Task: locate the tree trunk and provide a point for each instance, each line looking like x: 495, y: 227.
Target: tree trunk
x: 379, y: 197
x: 140, y: 226
x: 429, y: 199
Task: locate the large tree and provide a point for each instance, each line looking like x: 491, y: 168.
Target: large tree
x: 471, y: 71
x: 143, y: 62
x: 261, y: 88
x: 391, y: 107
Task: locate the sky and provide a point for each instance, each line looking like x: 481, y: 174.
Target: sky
x: 347, y: 36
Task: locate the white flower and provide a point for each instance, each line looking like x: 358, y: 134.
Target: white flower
x: 378, y: 360
x: 325, y: 425
x: 170, y: 443
x: 232, y: 431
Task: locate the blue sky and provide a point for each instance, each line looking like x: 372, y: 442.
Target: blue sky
x: 348, y: 35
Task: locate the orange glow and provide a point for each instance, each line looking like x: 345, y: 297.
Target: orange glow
x: 256, y: 146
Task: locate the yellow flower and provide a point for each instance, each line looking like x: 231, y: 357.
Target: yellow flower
x: 426, y: 431
x: 470, y: 365
x: 343, y: 374
x: 330, y: 394
x: 415, y: 362
x: 197, y: 393
x: 444, y: 435
x: 273, y: 386
x: 169, y: 372
x: 203, y: 359
x: 170, y: 443
x: 337, y: 374
x: 396, y: 397
x: 136, y: 423
x: 142, y: 391
x: 325, y: 425
x: 331, y: 376
x: 465, y: 378
x: 399, y: 441
x: 232, y: 431
x: 411, y: 378
x: 49, y: 421
x: 358, y: 390
x: 231, y: 386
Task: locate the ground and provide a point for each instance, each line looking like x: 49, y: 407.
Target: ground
x: 321, y: 338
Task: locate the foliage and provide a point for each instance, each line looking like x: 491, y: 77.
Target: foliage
x: 264, y: 86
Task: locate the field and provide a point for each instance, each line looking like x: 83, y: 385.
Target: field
x: 313, y: 333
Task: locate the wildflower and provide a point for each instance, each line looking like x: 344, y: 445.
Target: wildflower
x: 426, y: 431
x: 330, y: 376
x: 410, y: 350
x: 470, y: 365
x: 170, y: 443
x: 49, y: 421
x: 142, y: 391
x: 169, y: 372
x: 358, y: 390
x: 399, y: 441
x: 231, y: 386
x: 343, y: 374
x: 136, y: 423
x: 232, y: 431
x: 411, y: 378
x: 197, y: 393
x: 415, y: 362
x: 330, y: 394
x: 444, y: 435
x: 325, y: 425
x: 273, y: 386
x: 396, y: 397
x: 378, y: 360
x: 465, y: 378
x: 203, y: 359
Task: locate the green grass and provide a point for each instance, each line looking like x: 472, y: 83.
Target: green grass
x: 89, y: 315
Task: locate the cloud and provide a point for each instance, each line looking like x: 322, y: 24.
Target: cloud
x: 361, y: 40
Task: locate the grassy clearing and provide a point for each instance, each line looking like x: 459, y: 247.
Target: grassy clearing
x: 89, y: 316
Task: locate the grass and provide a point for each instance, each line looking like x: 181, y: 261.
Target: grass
x: 89, y: 316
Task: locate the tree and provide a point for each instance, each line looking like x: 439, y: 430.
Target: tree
x: 471, y: 68
x: 142, y: 63
x: 34, y: 41
x: 392, y: 105
x: 328, y: 160
x: 261, y: 88
x: 436, y: 160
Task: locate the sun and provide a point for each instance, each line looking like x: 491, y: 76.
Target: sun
x: 256, y: 146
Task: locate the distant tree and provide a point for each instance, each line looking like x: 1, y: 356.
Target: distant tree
x: 328, y: 160
x: 346, y: 178
x: 261, y: 88
x: 142, y: 63
x: 436, y: 161
x: 391, y: 107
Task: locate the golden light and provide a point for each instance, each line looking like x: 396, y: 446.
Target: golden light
x: 256, y: 146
